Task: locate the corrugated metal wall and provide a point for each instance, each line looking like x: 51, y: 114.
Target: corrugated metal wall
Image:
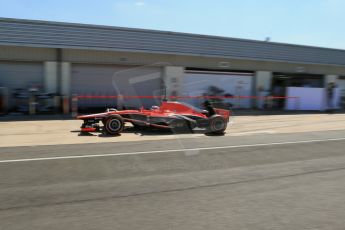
x: 64, y: 35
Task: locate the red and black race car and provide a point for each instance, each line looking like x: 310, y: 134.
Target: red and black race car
x: 170, y: 115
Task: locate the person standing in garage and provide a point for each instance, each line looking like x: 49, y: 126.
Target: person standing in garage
x: 330, y: 95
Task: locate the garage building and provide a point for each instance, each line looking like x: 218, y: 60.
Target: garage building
x: 77, y: 59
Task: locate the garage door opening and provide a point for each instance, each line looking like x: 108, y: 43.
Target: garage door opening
x: 107, y: 80
x: 219, y: 83
x: 18, y: 78
x: 282, y: 81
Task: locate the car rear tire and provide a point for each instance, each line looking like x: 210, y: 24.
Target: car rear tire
x: 217, y: 124
x: 113, y: 124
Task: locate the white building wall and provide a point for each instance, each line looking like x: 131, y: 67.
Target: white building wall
x: 173, y: 80
x: 263, y: 82
x: 330, y: 78
x: 65, y: 78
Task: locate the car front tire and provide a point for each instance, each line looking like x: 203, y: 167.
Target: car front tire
x: 114, y: 124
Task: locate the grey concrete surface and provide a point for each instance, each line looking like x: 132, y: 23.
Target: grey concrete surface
x: 285, y: 186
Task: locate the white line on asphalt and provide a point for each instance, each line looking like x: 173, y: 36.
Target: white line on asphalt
x: 252, y: 132
x: 169, y: 150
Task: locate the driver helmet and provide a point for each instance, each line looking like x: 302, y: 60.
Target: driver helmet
x: 207, y: 103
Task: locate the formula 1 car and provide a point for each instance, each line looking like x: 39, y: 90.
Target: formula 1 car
x: 176, y: 116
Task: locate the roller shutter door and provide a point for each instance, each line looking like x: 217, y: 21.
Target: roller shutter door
x: 199, y: 83
x: 20, y: 75
x: 106, y: 80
